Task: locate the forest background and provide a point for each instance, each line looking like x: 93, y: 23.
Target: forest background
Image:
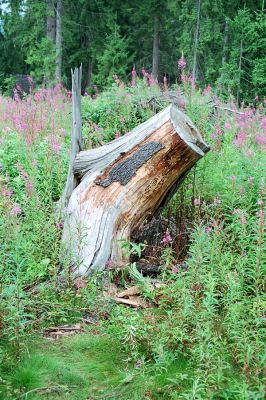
x: 223, y: 42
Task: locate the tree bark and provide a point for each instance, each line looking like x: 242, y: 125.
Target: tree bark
x: 122, y: 184
x: 58, y: 69
x: 50, y: 20
x: 156, y: 48
x: 196, y: 41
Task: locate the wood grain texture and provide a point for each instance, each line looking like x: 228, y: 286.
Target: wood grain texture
x: 100, y: 217
x: 76, y: 136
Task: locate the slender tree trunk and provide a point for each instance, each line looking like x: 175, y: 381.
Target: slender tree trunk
x: 239, y: 71
x: 224, y: 57
x: 156, y: 48
x: 59, y: 12
x: 196, y: 41
x: 87, y: 82
x: 50, y: 21
x: 76, y: 136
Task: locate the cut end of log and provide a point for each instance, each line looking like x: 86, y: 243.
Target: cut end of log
x: 122, y: 183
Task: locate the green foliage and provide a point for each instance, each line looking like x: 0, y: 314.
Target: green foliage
x: 41, y: 59
x: 114, y: 60
x: 246, y: 72
x: 109, y: 38
x: 116, y: 111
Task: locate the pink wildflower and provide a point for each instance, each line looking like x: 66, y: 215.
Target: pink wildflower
x: 217, y: 133
x: 256, y: 98
x: 16, y: 210
x: 227, y: 125
x: 260, y: 202
x: 243, y: 220
x: 6, y: 192
x: 241, y: 215
x: 144, y: 73
x: 263, y: 124
x: 197, y: 201
x: 29, y: 187
x: 80, y: 283
x: 117, y: 135
x: 208, y: 229
x: 109, y: 263
x: 59, y: 225
x: 216, y: 201
x: 207, y: 90
x: 242, y: 190
x: 240, y: 139
x: 233, y: 178
x: 134, y: 75
x: 34, y: 163
x: 184, y: 78
x: 167, y: 238
x: 175, y: 269
x: 251, y: 180
x: 151, y: 80
x: 192, y: 82
x: 260, y: 139
x: 182, y: 63
x: 260, y: 214
x: 56, y: 147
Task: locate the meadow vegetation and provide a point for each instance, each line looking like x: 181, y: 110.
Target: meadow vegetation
x: 204, y: 338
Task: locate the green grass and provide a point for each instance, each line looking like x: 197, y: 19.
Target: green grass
x: 87, y: 366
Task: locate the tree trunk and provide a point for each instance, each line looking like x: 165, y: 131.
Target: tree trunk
x: 196, y: 41
x: 58, y: 69
x: 156, y: 49
x: 50, y: 21
x: 239, y: 71
x: 88, y: 76
x: 224, y: 58
x: 122, y: 184
x: 76, y: 137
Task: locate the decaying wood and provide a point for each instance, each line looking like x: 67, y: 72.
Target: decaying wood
x: 76, y: 136
x: 123, y: 183
x: 133, y: 301
x: 148, y: 268
x: 132, y: 291
x: 56, y: 332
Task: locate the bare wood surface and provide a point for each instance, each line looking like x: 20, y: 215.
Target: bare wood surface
x: 122, y: 183
x: 76, y: 135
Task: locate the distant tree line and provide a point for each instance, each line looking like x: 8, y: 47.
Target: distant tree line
x: 223, y: 42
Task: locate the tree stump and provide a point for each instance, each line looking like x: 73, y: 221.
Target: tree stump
x: 123, y: 183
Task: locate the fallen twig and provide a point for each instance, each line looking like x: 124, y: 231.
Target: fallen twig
x: 45, y: 390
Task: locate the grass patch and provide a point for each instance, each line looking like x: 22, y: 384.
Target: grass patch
x: 87, y: 366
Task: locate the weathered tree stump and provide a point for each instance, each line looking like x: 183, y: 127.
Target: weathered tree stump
x: 123, y: 183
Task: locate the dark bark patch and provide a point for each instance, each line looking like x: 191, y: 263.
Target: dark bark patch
x: 124, y: 171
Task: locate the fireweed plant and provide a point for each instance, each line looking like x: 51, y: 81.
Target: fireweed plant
x: 210, y: 314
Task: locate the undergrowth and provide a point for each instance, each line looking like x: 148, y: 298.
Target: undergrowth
x: 204, y: 337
